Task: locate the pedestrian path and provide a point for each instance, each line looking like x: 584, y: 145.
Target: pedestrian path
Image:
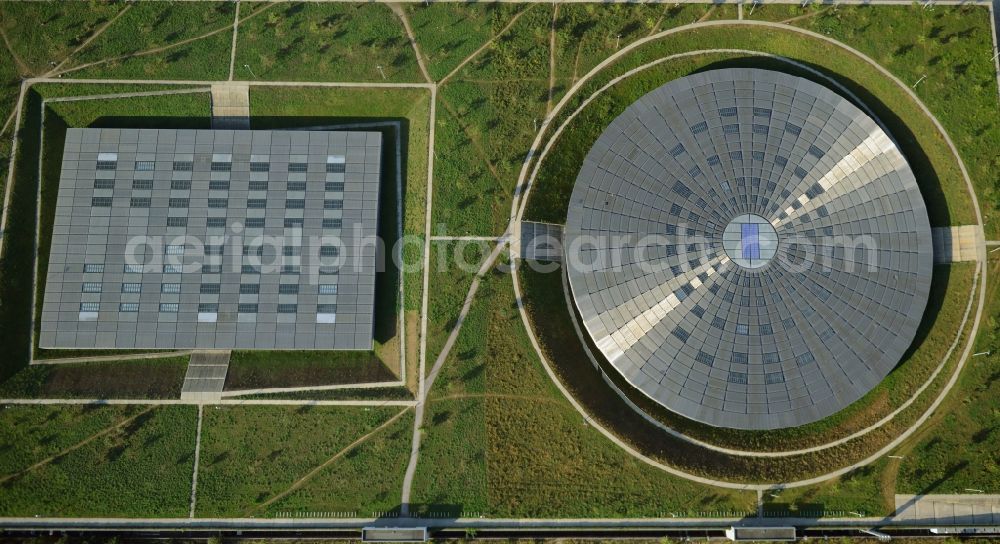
x: 206, y: 375
x: 540, y: 241
x: 958, y: 244
x: 231, y: 106
x: 968, y: 509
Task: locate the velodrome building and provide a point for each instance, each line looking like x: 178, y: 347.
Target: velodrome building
x: 774, y: 250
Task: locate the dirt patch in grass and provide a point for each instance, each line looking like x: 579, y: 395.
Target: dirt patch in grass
x: 260, y: 369
x: 132, y: 379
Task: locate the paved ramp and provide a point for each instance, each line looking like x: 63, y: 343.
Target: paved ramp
x: 206, y: 375
x: 974, y: 509
x: 231, y: 106
x: 958, y: 244
x: 541, y: 241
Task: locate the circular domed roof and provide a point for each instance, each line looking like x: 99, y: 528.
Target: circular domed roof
x: 748, y: 249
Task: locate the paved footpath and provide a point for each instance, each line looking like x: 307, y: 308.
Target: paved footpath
x: 231, y: 106
x: 958, y: 244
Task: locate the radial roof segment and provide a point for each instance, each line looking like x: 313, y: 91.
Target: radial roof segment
x: 748, y: 249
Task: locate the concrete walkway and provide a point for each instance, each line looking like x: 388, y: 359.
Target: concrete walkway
x: 966, y: 509
x: 958, y: 244
x: 538, y: 241
x: 231, y: 106
x: 206, y: 376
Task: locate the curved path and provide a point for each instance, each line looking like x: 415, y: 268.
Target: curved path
x: 520, y: 200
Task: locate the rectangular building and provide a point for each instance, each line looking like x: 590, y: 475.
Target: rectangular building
x: 214, y: 239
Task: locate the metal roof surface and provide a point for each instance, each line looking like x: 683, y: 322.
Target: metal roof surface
x: 214, y: 239
x: 692, y: 186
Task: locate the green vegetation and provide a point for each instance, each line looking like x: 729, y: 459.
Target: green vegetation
x: 957, y: 450
x: 367, y: 480
x: 254, y: 457
x: 41, y: 33
x: 485, y: 122
x: 161, y: 40
x: 33, y: 433
x: 453, y: 266
x: 500, y: 440
x: 140, y: 467
x: 203, y: 59
x: 327, y: 42
x: 488, y: 113
x: 864, y: 491
x: 9, y: 86
x: 786, y: 13
x: 586, y: 34
x: 255, y: 369
x: 449, y: 32
x: 132, y: 379
x: 953, y: 452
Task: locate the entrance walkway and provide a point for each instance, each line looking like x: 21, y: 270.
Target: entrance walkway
x: 231, y: 106
x: 539, y: 242
x: 958, y: 244
x: 206, y: 375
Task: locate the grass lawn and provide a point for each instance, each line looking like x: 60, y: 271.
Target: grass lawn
x: 785, y: 13
x: 133, y: 379
x: 865, y: 491
x: 453, y: 266
x: 45, y: 32
x: 8, y: 99
x: 204, y: 59
x: 485, y: 122
x: 327, y: 42
x: 33, y: 433
x: 957, y: 449
x: 586, y: 34
x: 449, y: 32
x: 367, y: 480
x: 501, y: 440
x: 253, y: 454
x: 373, y: 393
x: 152, y: 25
x: 141, y: 468
x: 953, y: 452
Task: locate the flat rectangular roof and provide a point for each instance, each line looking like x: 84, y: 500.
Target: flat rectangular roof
x: 201, y: 239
